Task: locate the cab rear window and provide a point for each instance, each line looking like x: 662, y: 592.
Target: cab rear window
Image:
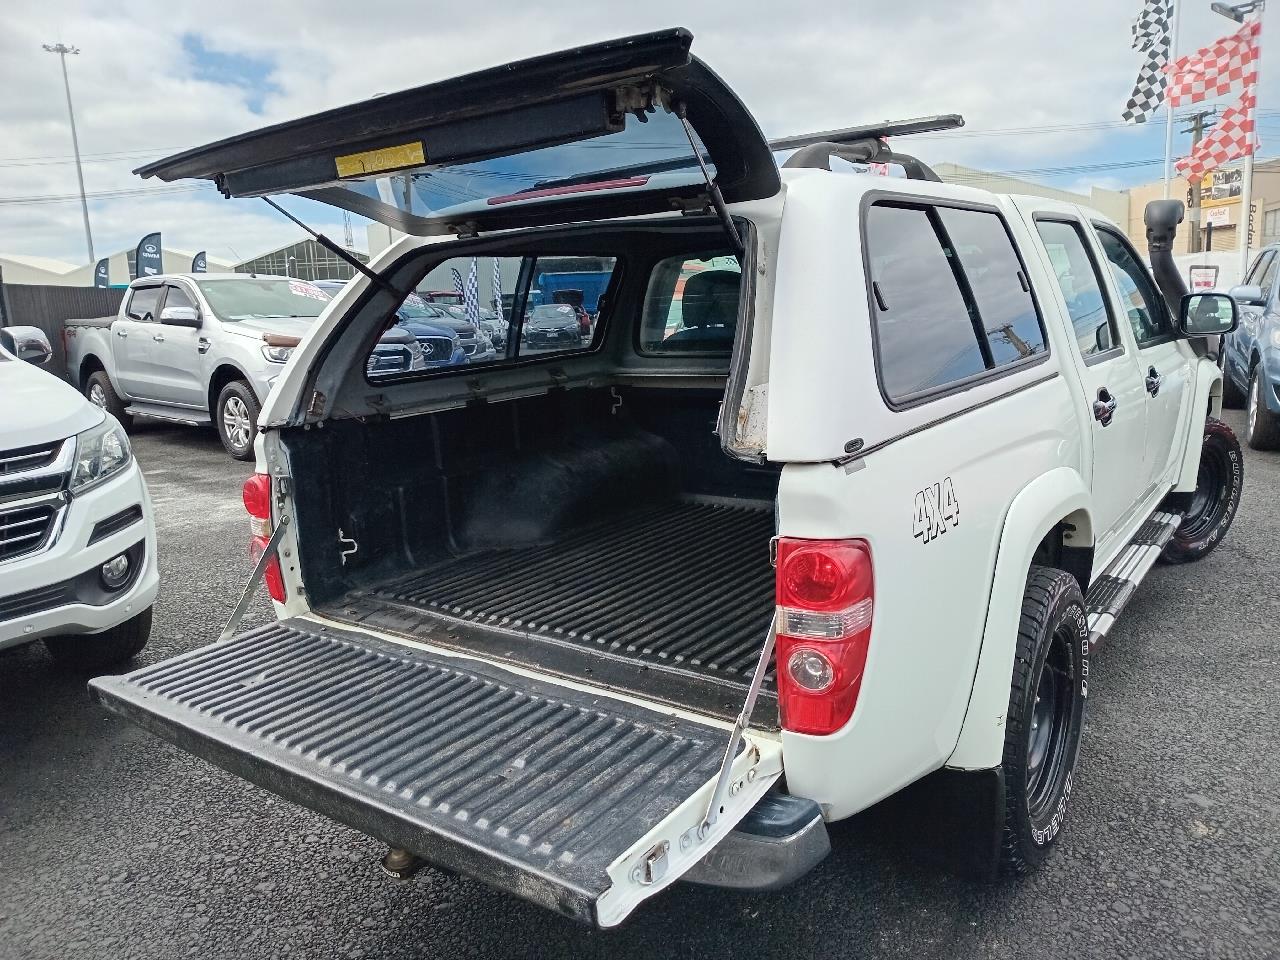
x: 950, y: 299
x: 691, y: 305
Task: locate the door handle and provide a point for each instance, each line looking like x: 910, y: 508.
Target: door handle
x: 203, y: 344
x: 122, y: 333
x: 1153, y: 381
x: 158, y: 338
x: 1104, y: 407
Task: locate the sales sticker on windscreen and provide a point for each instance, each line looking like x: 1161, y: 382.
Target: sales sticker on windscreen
x: 381, y: 160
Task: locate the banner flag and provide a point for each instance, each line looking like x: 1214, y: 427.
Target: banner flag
x: 200, y: 263
x: 1151, y: 35
x: 147, y: 257
x: 102, y: 274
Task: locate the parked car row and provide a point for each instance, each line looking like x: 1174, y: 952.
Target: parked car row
x: 1250, y: 355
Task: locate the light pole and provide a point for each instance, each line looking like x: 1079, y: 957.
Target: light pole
x: 62, y: 49
x: 1237, y: 12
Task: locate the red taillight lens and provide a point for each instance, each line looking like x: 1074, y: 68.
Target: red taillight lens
x: 273, y: 576
x: 825, y: 595
x: 256, y: 495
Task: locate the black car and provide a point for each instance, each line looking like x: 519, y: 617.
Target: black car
x: 552, y: 325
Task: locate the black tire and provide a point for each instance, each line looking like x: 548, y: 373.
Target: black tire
x: 1045, y: 718
x: 236, y: 403
x: 90, y: 652
x: 1261, y: 426
x: 1232, y: 396
x: 1216, y: 497
x: 99, y: 392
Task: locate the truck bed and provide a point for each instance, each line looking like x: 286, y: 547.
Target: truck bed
x: 681, y: 589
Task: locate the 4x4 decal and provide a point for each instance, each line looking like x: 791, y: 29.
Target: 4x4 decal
x: 936, y: 509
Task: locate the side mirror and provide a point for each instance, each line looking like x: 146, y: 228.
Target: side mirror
x: 1208, y: 315
x: 181, y: 317
x: 27, y: 343
x: 1250, y: 295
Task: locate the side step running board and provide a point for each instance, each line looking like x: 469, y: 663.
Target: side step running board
x: 1111, y: 591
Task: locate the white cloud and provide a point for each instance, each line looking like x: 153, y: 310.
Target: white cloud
x: 798, y: 67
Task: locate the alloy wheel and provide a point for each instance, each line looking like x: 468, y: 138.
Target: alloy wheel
x: 98, y: 396
x: 235, y: 422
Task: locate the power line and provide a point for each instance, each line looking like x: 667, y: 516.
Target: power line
x: 106, y: 194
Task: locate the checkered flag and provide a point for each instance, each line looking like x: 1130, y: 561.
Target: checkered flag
x: 1213, y: 70
x: 457, y: 281
x: 497, y: 286
x: 1232, y: 138
x: 471, y: 296
x: 1151, y: 36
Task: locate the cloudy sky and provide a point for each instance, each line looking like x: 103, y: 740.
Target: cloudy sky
x: 1040, y: 84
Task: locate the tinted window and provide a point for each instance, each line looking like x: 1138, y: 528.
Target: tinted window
x: 177, y: 297
x: 142, y: 303
x: 1255, y: 272
x: 470, y: 311
x: 1138, y: 294
x: 691, y: 305
x: 1269, y: 275
x: 1000, y: 289
x: 257, y: 298
x: 1081, y: 286
x: 950, y: 298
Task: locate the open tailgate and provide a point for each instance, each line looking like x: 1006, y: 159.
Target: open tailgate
x: 572, y: 799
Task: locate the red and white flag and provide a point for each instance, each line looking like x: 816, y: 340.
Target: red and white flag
x: 1230, y: 139
x: 1213, y: 70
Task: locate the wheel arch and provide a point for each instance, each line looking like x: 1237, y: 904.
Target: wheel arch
x: 224, y: 373
x: 1206, y: 402
x: 1052, y: 513
x: 90, y: 365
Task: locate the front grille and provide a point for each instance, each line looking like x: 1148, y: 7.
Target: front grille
x: 393, y: 359
x: 24, y: 529
x: 35, y: 601
x: 436, y: 349
x: 28, y: 458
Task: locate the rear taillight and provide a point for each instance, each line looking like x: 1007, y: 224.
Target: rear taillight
x: 257, y: 500
x: 825, y: 596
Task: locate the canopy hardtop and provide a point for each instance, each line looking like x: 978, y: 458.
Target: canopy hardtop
x: 524, y: 144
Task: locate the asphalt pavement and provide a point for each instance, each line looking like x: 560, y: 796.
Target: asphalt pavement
x: 115, y: 845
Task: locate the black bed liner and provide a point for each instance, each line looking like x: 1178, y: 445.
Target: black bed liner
x: 676, y: 597
x: 533, y: 787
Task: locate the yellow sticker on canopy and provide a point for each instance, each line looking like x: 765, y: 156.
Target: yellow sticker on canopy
x: 384, y: 158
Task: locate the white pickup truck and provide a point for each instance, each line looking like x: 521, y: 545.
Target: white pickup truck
x: 201, y: 348
x: 850, y: 478
x: 77, y: 536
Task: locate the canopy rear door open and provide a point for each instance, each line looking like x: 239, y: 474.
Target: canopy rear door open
x: 577, y: 801
x: 583, y: 134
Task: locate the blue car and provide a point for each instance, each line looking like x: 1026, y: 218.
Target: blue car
x: 1251, y: 353
x: 441, y: 345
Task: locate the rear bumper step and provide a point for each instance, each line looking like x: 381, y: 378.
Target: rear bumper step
x: 532, y: 787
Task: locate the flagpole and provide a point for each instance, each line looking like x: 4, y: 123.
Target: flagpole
x: 1246, y: 190
x: 1168, y: 107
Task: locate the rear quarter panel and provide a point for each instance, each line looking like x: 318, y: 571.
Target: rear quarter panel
x: 990, y: 444
x: 931, y: 588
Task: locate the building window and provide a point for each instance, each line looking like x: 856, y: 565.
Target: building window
x: 1271, y: 226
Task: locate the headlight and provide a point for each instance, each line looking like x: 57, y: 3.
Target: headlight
x: 276, y: 354
x: 1275, y: 337
x: 101, y: 452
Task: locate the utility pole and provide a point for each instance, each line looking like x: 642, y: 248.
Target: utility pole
x: 1197, y: 121
x: 62, y: 49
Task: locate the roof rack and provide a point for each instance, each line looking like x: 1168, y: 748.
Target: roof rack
x: 865, y: 144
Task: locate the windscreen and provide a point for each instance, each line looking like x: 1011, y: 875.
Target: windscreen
x: 643, y: 156
x: 257, y: 298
